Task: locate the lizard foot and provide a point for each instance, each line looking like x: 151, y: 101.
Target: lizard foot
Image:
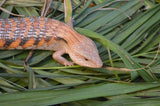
x: 69, y: 63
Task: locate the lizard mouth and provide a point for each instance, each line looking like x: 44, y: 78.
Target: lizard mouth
x: 89, y: 63
x: 99, y: 65
x: 96, y: 65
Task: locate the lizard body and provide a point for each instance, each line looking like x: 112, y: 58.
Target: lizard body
x: 49, y: 34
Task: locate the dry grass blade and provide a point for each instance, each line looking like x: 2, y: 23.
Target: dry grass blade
x: 46, y: 7
x: 21, y: 3
x: 2, y: 2
x: 10, y: 12
x: 68, y: 12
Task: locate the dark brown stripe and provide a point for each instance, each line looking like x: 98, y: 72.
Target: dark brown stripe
x: 37, y: 41
x: 23, y: 41
x: 8, y: 42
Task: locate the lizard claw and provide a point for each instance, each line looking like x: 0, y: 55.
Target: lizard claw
x: 69, y: 63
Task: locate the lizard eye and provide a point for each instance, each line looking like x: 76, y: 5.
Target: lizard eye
x: 86, y: 59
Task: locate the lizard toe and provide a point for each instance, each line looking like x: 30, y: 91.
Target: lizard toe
x: 69, y: 63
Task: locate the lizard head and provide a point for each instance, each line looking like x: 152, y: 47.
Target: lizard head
x: 81, y: 49
x: 84, y: 52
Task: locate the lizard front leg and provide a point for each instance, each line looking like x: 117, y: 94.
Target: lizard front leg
x: 58, y: 57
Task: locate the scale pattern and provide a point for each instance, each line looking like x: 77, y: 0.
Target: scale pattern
x: 28, y: 33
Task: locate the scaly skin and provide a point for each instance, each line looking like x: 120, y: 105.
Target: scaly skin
x: 49, y: 34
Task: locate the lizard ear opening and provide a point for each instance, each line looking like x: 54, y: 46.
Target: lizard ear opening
x: 59, y: 38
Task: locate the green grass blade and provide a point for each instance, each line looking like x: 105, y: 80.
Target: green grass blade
x: 126, y: 57
x: 4, y: 14
x: 52, y: 97
x: 27, y: 12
